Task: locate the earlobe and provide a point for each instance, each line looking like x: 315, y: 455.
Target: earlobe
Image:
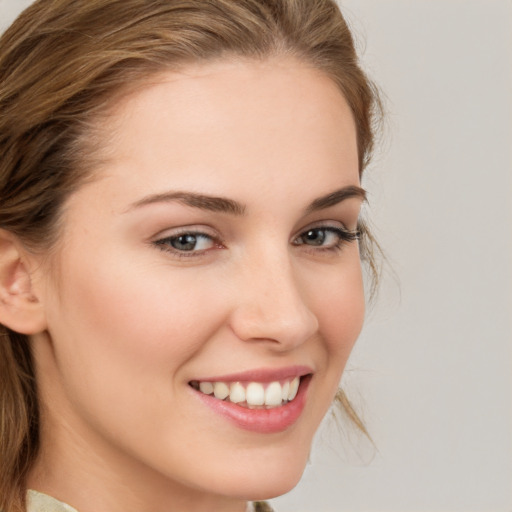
x: 21, y: 309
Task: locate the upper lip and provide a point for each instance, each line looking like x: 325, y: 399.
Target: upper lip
x: 260, y: 375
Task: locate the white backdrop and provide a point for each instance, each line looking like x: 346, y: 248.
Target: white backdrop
x: 432, y: 372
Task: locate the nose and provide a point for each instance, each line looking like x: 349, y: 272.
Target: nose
x: 271, y: 305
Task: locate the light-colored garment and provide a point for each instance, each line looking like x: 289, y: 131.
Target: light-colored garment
x: 39, y: 502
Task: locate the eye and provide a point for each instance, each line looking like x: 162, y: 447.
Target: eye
x: 189, y: 242
x: 319, y: 236
x: 326, y: 237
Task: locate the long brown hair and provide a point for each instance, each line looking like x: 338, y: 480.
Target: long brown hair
x: 61, y: 64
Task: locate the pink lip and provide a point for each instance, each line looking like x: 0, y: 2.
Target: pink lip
x: 261, y: 375
x: 264, y: 421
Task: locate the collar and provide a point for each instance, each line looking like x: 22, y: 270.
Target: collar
x: 39, y: 502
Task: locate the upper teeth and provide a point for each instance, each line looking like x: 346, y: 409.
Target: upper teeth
x: 272, y: 394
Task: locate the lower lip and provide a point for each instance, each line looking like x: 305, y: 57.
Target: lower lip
x: 265, y: 421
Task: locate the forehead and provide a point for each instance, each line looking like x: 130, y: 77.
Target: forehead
x: 233, y: 123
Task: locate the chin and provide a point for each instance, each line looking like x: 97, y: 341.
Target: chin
x: 272, y: 489
x: 270, y: 477
x: 268, y: 488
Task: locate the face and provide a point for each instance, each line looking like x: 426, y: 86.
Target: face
x: 210, y: 267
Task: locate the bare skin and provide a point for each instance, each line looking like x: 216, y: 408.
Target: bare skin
x: 131, y: 317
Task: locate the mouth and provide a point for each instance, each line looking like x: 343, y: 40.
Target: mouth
x: 264, y: 401
x: 253, y: 394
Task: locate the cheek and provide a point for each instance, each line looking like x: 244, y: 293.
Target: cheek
x: 147, y: 306
x: 122, y: 337
x: 114, y: 323
x: 340, y: 307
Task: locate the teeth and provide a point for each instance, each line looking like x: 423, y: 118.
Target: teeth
x: 294, y: 387
x: 206, y: 387
x: 253, y: 395
x: 237, y: 393
x: 285, y: 390
x: 220, y: 390
x: 274, y: 394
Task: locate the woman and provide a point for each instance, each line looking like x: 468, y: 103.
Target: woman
x: 180, y: 274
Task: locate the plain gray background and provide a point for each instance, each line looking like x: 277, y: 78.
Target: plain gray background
x: 432, y: 372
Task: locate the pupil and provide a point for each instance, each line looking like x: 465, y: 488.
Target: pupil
x: 184, y: 242
x: 315, y: 236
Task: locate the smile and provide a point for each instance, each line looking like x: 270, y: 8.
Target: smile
x: 252, y: 395
x: 262, y: 400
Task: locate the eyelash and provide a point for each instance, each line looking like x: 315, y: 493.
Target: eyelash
x: 344, y: 236
x: 165, y: 244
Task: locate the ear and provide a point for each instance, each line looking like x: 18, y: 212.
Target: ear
x: 20, y: 308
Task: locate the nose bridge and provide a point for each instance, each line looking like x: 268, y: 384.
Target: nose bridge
x: 272, y: 305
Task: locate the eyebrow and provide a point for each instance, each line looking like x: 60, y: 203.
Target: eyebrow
x: 230, y: 206
x: 336, y: 197
x: 201, y: 201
